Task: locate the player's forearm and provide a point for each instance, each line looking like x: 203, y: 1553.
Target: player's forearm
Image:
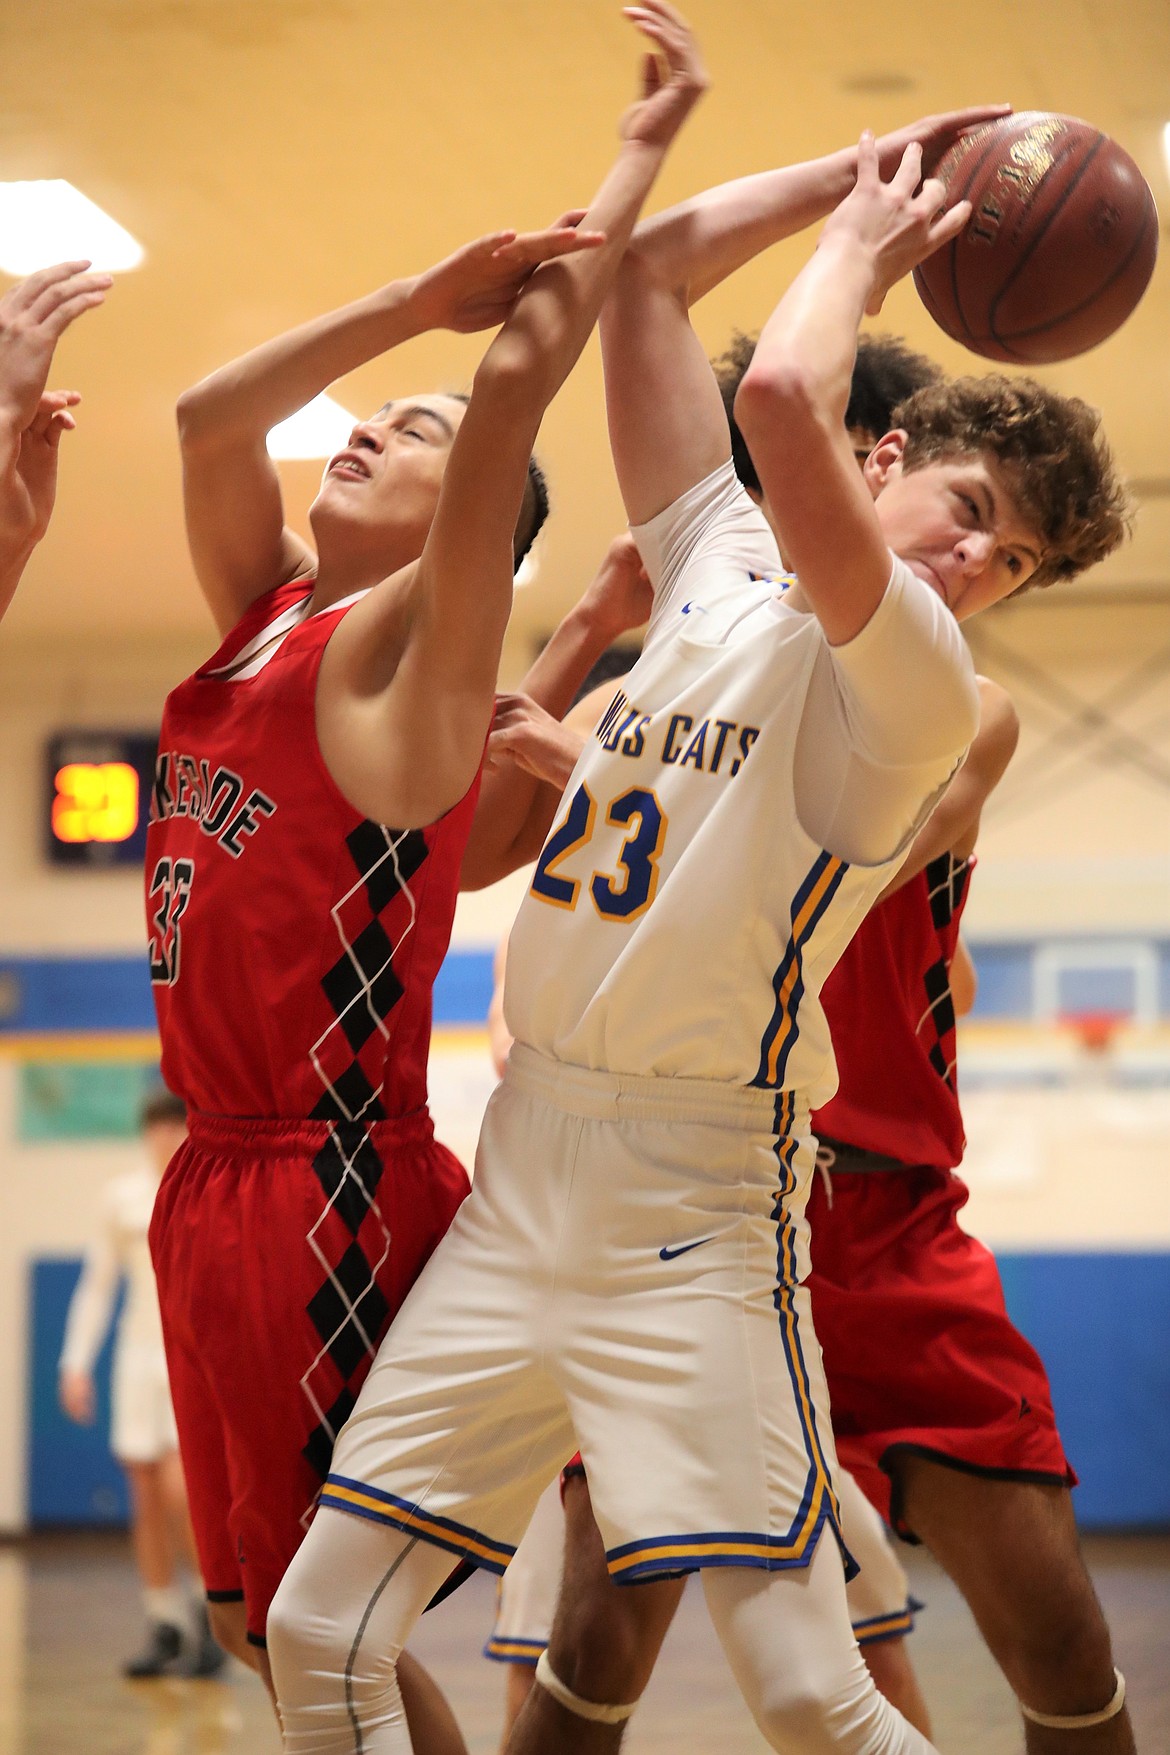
x: 267, y: 385
x: 554, y: 314
x: 805, y: 356
x: 698, y: 243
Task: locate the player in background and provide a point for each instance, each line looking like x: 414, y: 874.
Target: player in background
x: 33, y: 317
x: 629, y: 1113
x: 294, y: 935
x: 142, y: 1423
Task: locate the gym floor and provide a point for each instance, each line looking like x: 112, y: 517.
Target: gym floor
x: 69, y: 1615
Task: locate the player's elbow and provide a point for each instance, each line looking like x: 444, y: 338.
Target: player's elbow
x: 194, y: 417
x: 775, y: 396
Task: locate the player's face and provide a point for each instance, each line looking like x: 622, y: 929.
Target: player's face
x: 390, y: 473
x: 955, y: 525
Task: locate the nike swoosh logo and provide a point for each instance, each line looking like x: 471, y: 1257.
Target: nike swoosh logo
x: 669, y: 1254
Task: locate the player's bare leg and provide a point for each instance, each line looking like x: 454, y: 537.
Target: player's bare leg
x: 605, y: 1641
x: 1012, y: 1549
x: 888, y: 1662
x: 518, y: 1685
x: 154, y: 1547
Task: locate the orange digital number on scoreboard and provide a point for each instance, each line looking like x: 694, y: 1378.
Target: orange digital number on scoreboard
x: 95, y: 801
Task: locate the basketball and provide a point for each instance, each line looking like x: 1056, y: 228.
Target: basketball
x: 1060, y: 245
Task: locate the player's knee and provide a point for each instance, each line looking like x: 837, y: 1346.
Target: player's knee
x: 1067, y: 1649
x: 842, y: 1715
x: 597, y: 1657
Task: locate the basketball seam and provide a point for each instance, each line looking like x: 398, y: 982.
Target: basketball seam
x: 1053, y: 322
x: 1041, y: 232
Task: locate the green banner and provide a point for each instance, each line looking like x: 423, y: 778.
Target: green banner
x: 82, y: 1099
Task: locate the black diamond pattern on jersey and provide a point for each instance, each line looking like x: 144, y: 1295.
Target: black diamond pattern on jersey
x: 946, y: 881
x: 362, y: 986
x: 348, y: 1311
x: 352, y: 1094
x: 386, y: 859
x: 941, y: 1017
x: 318, y: 1452
x: 349, y: 1170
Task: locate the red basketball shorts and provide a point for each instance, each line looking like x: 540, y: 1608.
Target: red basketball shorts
x: 283, y: 1250
x: 919, y: 1352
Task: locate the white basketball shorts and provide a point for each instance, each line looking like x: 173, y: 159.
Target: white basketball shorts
x: 623, y: 1278
x: 880, y: 1604
x: 142, y: 1420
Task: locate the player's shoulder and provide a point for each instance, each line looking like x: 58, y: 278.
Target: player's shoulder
x: 282, y: 602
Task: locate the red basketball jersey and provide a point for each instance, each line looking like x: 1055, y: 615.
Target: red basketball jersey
x: 293, y: 943
x: 888, y: 1002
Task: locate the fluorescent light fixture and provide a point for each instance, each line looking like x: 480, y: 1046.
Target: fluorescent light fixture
x: 50, y: 221
x: 317, y: 430
x: 529, y: 567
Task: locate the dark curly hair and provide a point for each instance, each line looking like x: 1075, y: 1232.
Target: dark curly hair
x: 1054, y: 457
x: 885, y: 374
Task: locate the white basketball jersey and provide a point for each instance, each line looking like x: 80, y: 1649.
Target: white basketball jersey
x: 680, y: 921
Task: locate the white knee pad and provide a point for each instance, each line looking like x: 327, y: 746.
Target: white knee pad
x: 1079, y: 1721
x: 590, y: 1709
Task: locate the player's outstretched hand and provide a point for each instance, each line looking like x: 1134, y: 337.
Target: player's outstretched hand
x: 476, y: 287
x: 899, y: 227
x: 673, y: 75
x: 525, y: 734
x: 935, y: 135
x: 33, y: 317
x: 76, y: 1394
x: 621, y: 596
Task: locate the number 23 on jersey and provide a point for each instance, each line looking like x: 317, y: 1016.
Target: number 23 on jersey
x: 620, y: 895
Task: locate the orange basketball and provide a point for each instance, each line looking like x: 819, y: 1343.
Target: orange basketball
x: 1060, y: 245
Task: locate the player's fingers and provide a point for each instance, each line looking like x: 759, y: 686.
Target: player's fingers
x: 60, y: 423
x: 58, y: 321
x: 867, y: 160
x: 909, y: 173
x: 572, y: 217
x: 948, y: 225
x: 54, y: 399
x: 64, y: 292
x: 532, y: 248
x: 22, y: 297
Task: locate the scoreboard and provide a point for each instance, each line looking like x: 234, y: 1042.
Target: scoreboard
x: 98, y: 797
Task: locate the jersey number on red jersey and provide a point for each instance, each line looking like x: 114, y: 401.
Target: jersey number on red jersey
x: 170, y: 892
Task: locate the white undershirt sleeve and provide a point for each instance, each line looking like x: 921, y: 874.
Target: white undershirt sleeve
x: 888, y: 719
x: 714, y: 534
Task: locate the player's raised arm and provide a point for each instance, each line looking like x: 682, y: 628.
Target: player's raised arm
x: 409, y: 681
x: 240, y: 544
x: 696, y: 244
x: 791, y: 404
x: 33, y: 317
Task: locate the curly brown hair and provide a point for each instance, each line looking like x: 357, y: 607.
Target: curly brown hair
x: 886, y: 373
x: 1051, y: 450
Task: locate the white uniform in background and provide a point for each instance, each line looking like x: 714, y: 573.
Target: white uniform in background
x: 142, y: 1426
x: 625, y: 1274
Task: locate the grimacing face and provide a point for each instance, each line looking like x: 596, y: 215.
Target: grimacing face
x: 954, y: 523
x: 392, y: 468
